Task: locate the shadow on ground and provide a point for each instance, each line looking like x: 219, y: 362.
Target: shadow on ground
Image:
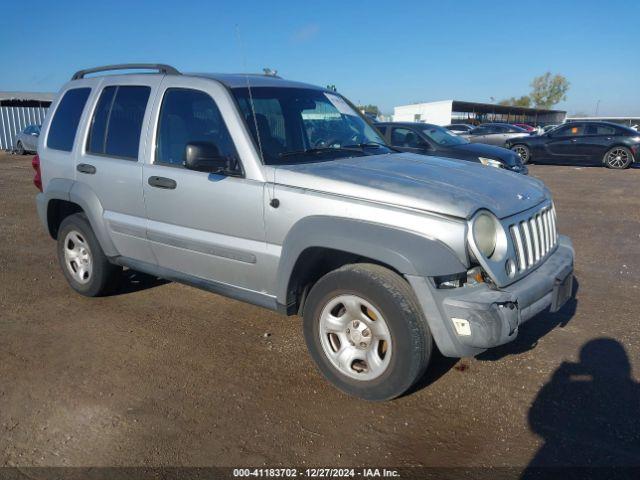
x: 438, y: 367
x: 133, y: 281
x: 588, y: 414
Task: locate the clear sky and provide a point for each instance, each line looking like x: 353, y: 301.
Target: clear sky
x: 386, y: 53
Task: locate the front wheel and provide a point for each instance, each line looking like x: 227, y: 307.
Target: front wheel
x: 366, y: 332
x: 523, y: 152
x: 20, y: 149
x: 618, y: 158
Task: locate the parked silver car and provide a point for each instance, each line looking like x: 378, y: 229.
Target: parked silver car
x: 495, y: 133
x: 27, y: 140
x: 459, y: 128
x: 281, y: 194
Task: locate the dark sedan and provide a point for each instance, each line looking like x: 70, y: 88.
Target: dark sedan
x: 427, y: 139
x: 582, y: 143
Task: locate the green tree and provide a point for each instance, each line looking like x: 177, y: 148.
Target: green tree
x: 373, y: 109
x: 547, y: 90
x: 523, y: 101
x: 332, y: 87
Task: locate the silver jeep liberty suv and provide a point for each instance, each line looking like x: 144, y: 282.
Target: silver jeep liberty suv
x: 281, y: 194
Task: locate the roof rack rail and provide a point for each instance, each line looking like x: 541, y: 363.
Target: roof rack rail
x: 165, y: 69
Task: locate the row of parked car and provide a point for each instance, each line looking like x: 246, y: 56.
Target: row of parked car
x: 584, y: 143
x: 513, y: 146
x: 493, y: 144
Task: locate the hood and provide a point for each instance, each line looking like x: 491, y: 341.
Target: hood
x: 446, y: 186
x: 489, y: 151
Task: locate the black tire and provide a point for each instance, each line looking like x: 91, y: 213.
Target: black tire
x: 623, y: 160
x: 20, y: 148
x: 104, y: 275
x: 523, y: 151
x: 393, y: 297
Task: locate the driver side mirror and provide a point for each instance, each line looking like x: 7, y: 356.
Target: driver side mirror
x: 205, y: 157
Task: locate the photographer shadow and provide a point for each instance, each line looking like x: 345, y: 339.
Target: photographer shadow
x: 535, y: 329
x: 588, y: 413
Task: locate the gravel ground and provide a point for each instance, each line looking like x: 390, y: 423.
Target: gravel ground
x: 167, y: 375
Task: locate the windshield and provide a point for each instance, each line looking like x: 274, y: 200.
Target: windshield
x: 296, y: 125
x: 443, y: 137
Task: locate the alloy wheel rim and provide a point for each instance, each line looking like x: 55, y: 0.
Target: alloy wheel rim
x: 522, y: 152
x: 617, y: 157
x: 77, y: 257
x: 355, y: 337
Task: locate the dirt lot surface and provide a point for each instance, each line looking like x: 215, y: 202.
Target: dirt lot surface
x: 164, y: 374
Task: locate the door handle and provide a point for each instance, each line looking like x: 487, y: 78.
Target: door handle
x: 86, y: 168
x: 162, y: 182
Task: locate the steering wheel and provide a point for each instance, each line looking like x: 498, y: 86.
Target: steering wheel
x: 322, y: 143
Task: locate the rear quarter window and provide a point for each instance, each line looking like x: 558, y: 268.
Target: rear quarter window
x: 64, y: 125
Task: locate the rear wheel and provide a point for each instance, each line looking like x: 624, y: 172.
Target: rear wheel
x: 618, y: 158
x: 366, y: 332
x: 83, y: 263
x: 20, y: 149
x: 523, y: 152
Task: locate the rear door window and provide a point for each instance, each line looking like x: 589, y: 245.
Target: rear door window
x: 64, y: 124
x: 117, y: 121
x: 97, y: 133
x: 598, y: 129
x: 570, y: 130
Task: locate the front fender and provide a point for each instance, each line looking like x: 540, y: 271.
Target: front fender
x: 407, y: 252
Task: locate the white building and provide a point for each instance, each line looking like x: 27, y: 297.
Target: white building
x: 438, y: 113
x: 455, y: 111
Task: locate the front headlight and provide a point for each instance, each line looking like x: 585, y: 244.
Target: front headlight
x: 490, y: 162
x: 485, y: 234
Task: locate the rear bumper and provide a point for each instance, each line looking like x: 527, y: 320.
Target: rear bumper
x: 494, y: 316
x: 41, y: 205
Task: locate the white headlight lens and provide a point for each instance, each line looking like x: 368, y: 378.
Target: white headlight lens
x: 490, y: 162
x: 484, y: 234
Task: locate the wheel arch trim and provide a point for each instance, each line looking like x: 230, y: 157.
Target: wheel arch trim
x: 80, y: 194
x: 407, y: 252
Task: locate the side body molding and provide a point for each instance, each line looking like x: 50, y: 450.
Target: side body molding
x: 406, y: 251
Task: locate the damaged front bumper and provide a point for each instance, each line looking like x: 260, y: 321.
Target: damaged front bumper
x: 466, y: 321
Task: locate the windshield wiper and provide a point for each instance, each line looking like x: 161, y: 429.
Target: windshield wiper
x: 362, y: 146
x: 318, y: 151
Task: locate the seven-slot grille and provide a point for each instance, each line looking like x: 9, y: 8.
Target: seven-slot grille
x: 535, y: 237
